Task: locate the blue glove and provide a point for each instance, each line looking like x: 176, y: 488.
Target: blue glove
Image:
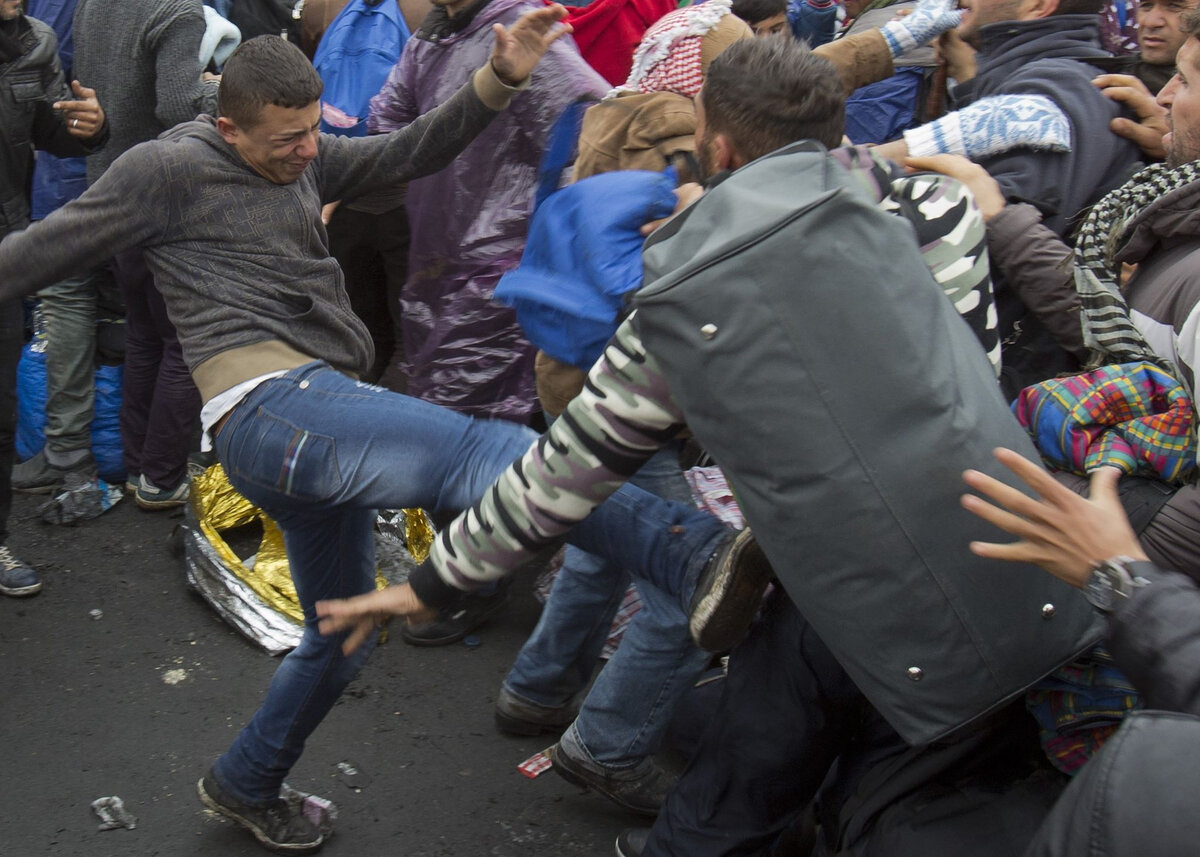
x: 993, y: 125
x: 929, y: 20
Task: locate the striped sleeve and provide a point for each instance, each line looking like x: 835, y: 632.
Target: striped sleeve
x: 622, y: 417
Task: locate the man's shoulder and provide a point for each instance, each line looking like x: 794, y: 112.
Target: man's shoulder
x: 44, y: 38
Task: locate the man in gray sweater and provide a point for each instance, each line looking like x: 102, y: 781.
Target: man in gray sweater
x: 227, y: 211
x: 142, y: 57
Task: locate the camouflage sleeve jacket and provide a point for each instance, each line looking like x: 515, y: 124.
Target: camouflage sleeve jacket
x: 623, y: 416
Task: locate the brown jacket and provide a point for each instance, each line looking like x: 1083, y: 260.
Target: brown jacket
x: 636, y: 131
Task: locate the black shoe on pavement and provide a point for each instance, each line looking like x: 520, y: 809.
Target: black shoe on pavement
x: 279, y: 826
x: 453, y: 625
x: 16, y: 578
x: 729, y: 592
x: 516, y: 716
x: 632, y: 841
x: 641, y: 789
x: 38, y: 476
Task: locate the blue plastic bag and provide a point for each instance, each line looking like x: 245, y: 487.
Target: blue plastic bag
x: 31, y: 412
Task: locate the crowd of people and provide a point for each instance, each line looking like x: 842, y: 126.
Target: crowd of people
x: 862, y: 256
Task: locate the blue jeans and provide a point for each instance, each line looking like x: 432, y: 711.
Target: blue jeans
x: 321, y: 453
x: 627, y: 710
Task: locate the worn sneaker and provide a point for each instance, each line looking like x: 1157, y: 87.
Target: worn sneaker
x: 453, y: 625
x: 729, y: 592
x: 279, y: 826
x: 516, y: 716
x: 150, y: 496
x: 632, y: 841
x: 38, y: 476
x: 16, y: 578
x: 641, y: 789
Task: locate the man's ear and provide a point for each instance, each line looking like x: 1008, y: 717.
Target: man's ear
x: 227, y: 130
x: 725, y: 154
x: 1034, y: 9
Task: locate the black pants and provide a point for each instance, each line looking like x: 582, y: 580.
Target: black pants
x: 373, y: 252
x: 12, y: 331
x: 1136, y: 798
x: 789, y: 711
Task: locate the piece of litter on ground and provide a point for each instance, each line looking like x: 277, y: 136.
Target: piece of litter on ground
x: 472, y: 642
x: 113, y: 814
x: 174, y: 676
x: 322, y: 812
x: 536, y: 765
x: 97, y: 613
x: 351, y: 774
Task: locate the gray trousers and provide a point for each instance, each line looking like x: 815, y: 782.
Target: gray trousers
x: 70, y: 309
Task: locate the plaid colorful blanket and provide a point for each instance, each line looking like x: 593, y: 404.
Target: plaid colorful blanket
x: 1134, y: 416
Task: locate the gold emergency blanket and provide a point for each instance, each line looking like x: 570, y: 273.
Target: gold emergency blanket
x: 263, y: 592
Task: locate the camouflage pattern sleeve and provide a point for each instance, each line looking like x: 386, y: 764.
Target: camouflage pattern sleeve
x: 953, y: 239
x: 623, y: 416
x: 950, y: 231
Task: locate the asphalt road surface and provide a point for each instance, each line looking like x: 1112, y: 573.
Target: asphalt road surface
x: 138, y: 702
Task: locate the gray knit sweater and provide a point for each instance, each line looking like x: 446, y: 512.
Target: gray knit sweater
x: 241, y: 261
x: 143, y: 59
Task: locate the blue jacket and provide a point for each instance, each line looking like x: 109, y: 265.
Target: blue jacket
x: 1049, y: 57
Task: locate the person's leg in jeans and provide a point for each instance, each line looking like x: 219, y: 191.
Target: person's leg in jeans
x: 160, y: 404
x: 627, y: 710
x: 320, y: 453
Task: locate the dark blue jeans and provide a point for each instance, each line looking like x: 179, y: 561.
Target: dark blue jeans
x: 160, y: 406
x: 321, y: 453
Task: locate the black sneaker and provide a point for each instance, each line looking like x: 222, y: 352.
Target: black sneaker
x: 516, y: 716
x: 16, y: 578
x: 729, y: 592
x: 632, y: 842
x: 279, y: 826
x: 641, y: 789
x: 453, y: 625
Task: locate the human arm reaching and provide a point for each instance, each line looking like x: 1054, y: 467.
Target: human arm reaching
x: 1154, y: 632
x: 1064, y: 533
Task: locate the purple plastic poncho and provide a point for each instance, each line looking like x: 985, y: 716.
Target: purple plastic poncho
x: 469, y: 221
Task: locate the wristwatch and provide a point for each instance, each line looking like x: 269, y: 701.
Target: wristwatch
x: 1113, y: 579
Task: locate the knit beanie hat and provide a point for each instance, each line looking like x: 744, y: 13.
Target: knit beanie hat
x: 676, y: 50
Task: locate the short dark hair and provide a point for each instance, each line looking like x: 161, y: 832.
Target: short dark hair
x: 1189, y: 23
x: 265, y: 70
x: 1079, y: 7
x: 753, y: 11
x: 765, y: 93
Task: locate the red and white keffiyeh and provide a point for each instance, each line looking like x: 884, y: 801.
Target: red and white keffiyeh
x: 668, y: 57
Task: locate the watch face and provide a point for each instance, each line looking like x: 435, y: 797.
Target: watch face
x: 1099, y: 588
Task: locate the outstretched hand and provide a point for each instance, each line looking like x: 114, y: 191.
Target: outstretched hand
x: 1151, y: 125
x: 1062, y: 532
x: 84, y: 115
x: 364, y: 613
x: 519, y: 48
